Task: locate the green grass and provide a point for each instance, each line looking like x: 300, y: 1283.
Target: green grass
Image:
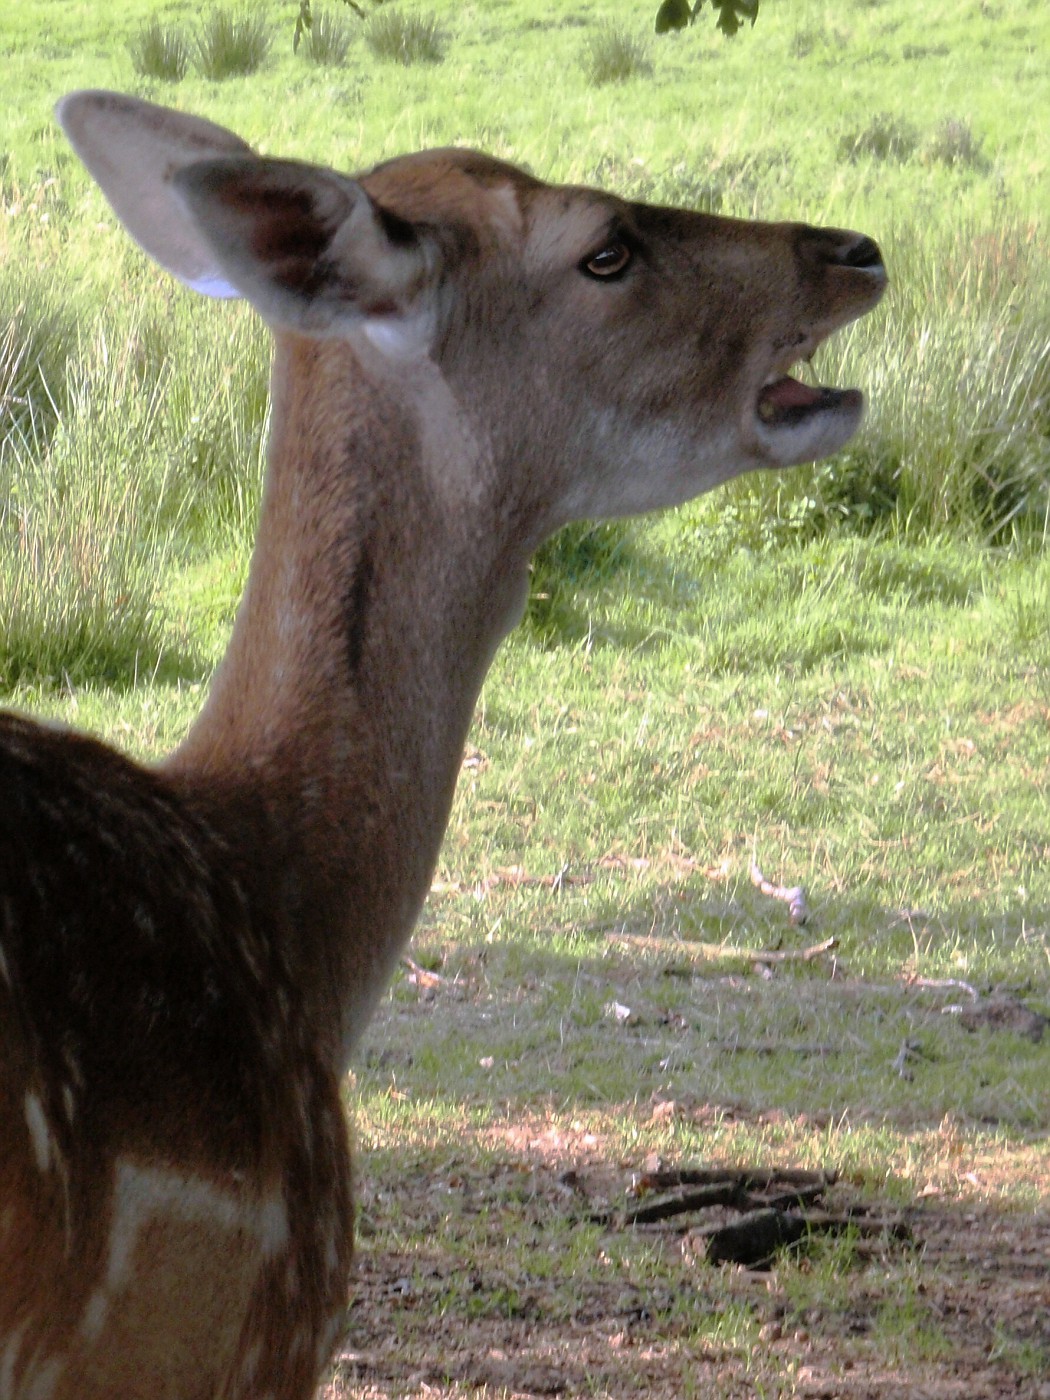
x: 328, y: 39
x: 613, y: 54
x: 395, y: 36
x: 231, y: 44
x: 160, y: 51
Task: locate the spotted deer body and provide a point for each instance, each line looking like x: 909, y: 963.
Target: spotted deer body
x: 465, y: 359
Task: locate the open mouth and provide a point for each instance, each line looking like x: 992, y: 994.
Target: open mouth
x: 786, y: 401
x: 800, y: 422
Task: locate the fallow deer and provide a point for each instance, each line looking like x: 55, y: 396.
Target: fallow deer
x: 465, y: 359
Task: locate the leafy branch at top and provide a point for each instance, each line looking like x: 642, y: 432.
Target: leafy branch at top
x: 305, y: 20
x: 676, y: 14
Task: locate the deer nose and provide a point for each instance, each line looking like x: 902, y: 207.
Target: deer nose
x: 824, y: 248
x: 862, y: 252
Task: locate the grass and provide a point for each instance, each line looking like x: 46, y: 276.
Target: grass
x: 231, y: 44
x: 883, y: 137
x: 159, y: 51
x: 395, y: 36
x: 327, y: 42
x: 840, y: 671
x: 614, y: 54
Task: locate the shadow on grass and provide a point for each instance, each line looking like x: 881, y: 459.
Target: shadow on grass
x: 705, y: 996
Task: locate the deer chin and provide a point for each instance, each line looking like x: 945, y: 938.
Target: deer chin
x: 796, y: 422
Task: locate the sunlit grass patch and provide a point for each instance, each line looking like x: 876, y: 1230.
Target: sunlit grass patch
x: 232, y: 43
x: 159, y: 50
x: 399, y: 37
x: 614, y: 54
x: 328, y: 40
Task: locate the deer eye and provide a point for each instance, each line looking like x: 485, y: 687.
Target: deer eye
x: 610, y: 261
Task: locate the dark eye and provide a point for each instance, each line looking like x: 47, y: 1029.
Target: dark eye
x: 610, y: 262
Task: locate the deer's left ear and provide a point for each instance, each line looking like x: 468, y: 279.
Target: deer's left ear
x: 134, y: 149
x: 309, y: 248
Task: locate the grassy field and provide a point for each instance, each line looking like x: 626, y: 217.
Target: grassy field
x: 840, y: 673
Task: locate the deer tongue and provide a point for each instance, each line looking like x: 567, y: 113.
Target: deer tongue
x: 788, y: 397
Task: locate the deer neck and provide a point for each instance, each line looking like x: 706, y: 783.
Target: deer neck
x: 328, y: 749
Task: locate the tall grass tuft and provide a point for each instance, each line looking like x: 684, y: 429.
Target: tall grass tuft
x: 39, y: 336
x: 159, y: 51
x: 131, y: 436
x: 395, y: 37
x: 954, y: 144
x: 231, y: 44
x: 81, y: 553
x: 614, y: 54
x: 883, y: 137
x: 327, y: 41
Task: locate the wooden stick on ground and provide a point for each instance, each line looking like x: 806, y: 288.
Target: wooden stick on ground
x: 706, y: 952
x: 794, y: 896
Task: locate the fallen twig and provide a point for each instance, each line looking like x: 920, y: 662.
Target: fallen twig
x: 783, y: 955
x: 772, y: 1047
x: 421, y: 976
x: 910, y: 1050
x: 708, y: 952
x: 754, y: 1239
x: 794, y: 897
x: 749, y: 1178
x: 942, y: 984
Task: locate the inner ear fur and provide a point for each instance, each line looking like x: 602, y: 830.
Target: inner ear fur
x: 308, y: 247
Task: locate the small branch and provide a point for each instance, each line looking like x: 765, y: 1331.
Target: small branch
x: 723, y: 1193
x: 708, y: 952
x: 420, y: 976
x: 749, y: 1178
x: 726, y: 1193
x: 783, y: 955
x: 794, y: 897
x: 754, y: 1239
x: 942, y: 984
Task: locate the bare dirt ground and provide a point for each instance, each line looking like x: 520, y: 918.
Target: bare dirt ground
x: 493, y: 1279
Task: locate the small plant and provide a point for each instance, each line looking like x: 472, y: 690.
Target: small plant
x: 231, y: 44
x: 955, y: 145
x: 398, y: 38
x: 327, y: 41
x: 158, y: 51
x: 886, y: 137
x: 614, y: 54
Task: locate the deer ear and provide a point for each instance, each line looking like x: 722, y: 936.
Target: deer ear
x: 309, y: 248
x: 134, y: 150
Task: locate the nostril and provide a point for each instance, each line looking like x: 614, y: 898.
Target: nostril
x: 862, y: 252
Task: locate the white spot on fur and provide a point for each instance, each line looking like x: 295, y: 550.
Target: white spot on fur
x: 39, y: 1131
x: 250, y: 1364
x: 40, y: 1381
x: 145, y: 1194
x: 331, y: 1334
x: 273, y: 1231
x: 5, y: 971
x: 95, y: 1314
x: 12, y: 1345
